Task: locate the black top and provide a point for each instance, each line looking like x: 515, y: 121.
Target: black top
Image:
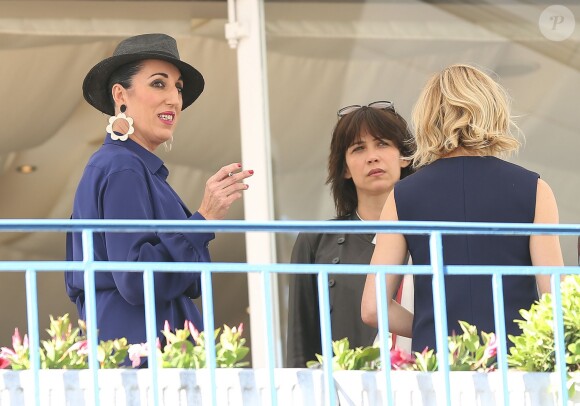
x: 474, y: 189
x: 345, y: 294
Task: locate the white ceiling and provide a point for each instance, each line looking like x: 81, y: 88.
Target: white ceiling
x: 321, y: 56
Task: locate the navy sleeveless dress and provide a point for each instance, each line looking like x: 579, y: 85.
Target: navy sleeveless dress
x: 478, y: 189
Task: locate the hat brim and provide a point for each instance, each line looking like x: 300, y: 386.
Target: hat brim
x: 95, y: 84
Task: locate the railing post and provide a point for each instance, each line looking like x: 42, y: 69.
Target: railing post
x: 440, y: 309
x: 267, y: 303
x: 33, y: 336
x: 383, y: 316
x: 207, y: 304
x: 500, y: 334
x: 91, y: 310
x: 151, y: 330
x: 558, y: 324
x: 326, y: 337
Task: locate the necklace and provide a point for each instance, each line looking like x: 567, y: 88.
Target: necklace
x: 374, y: 240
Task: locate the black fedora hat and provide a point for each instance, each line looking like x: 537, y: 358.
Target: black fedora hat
x: 140, y: 47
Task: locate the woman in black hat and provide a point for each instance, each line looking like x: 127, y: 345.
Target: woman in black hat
x: 144, y: 86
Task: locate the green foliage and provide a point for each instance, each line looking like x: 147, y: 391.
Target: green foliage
x: 112, y: 353
x: 467, y: 352
x: 534, y: 349
x: 179, y: 352
x: 61, y: 351
x: 573, y: 382
x: 183, y: 352
x: 18, y: 357
x: 425, y: 361
x: 65, y: 349
x: 68, y: 349
x: 346, y: 358
x: 231, y: 350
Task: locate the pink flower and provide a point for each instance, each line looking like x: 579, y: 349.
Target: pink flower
x: 4, y: 363
x: 136, y: 351
x: 400, y: 359
x: 491, y: 349
x: 166, y: 327
x: 192, y: 330
x: 238, y: 330
x: 16, y: 340
x: 5, y: 354
x: 81, y: 347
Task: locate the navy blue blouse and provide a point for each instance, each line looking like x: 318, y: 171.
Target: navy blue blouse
x: 478, y: 189
x: 123, y: 180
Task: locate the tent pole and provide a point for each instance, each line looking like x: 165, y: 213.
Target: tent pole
x: 245, y: 30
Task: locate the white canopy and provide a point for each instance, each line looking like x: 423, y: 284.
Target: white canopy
x: 321, y: 56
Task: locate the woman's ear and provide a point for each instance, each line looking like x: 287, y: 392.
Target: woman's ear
x: 119, y: 95
x: 404, y: 161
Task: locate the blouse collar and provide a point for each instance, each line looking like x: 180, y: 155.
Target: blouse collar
x: 152, y: 161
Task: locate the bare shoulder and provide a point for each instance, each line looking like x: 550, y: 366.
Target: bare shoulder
x: 544, y: 188
x: 546, y: 206
x: 389, y: 212
x: 545, y: 249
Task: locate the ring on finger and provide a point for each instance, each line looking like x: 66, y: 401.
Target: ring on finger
x: 230, y: 174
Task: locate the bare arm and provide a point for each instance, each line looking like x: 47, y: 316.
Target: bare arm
x: 391, y: 249
x: 545, y: 249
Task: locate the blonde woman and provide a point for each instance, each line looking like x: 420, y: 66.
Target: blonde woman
x: 462, y: 128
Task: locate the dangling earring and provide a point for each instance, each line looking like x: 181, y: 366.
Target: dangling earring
x: 122, y: 116
x: 168, y: 144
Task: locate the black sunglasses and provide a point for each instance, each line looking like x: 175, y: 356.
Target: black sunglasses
x: 380, y: 105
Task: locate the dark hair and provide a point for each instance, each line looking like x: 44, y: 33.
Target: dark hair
x: 381, y: 124
x: 123, y: 75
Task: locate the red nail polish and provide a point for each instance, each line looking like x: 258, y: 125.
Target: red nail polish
x: 239, y: 165
x: 251, y: 171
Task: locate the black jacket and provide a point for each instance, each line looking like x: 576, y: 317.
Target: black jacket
x: 345, y: 295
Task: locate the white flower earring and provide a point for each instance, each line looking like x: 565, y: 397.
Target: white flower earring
x: 121, y: 116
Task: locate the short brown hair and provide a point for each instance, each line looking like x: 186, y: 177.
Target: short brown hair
x: 381, y: 124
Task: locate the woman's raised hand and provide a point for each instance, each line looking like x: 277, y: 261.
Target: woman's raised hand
x: 222, y: 189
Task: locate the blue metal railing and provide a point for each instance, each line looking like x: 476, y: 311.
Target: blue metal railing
x: 435, y: 229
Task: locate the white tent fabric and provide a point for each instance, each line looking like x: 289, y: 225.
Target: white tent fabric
x: 321, y: 56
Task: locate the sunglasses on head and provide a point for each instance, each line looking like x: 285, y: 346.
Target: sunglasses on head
x: 379, y: 105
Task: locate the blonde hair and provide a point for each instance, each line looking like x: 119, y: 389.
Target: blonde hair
x: 462, y: 107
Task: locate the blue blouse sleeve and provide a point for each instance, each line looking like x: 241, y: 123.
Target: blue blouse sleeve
x: 126, y: 195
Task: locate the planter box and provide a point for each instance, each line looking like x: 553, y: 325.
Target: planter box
x: 177, y: 387
x: 294, y: 387
x: 467, y: 388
